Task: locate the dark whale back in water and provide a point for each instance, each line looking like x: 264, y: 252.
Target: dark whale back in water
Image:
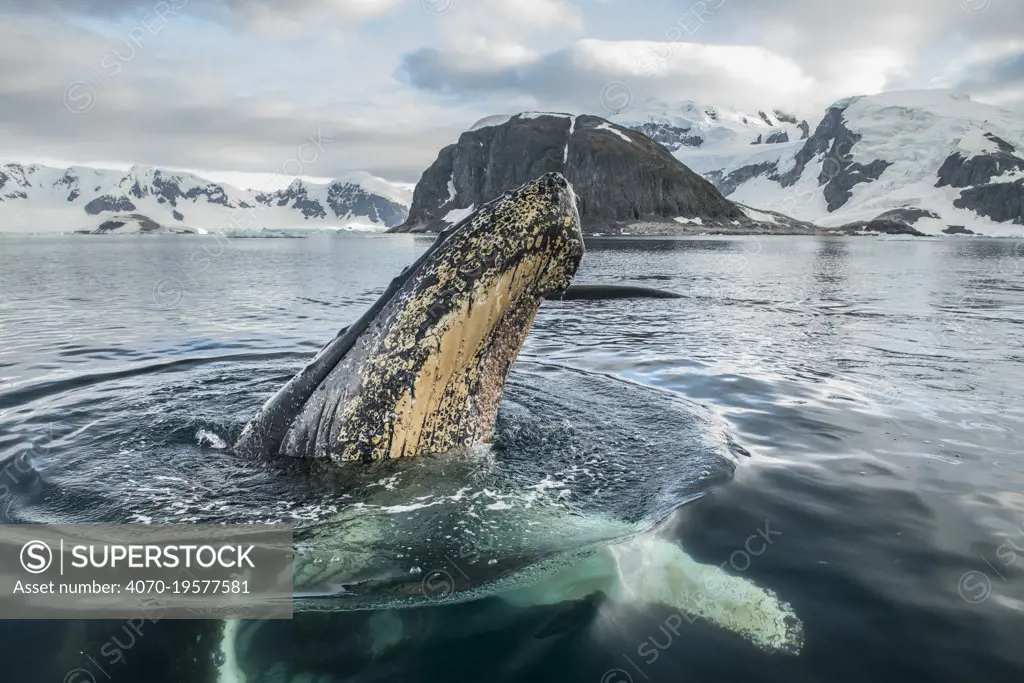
x: 590, y: 292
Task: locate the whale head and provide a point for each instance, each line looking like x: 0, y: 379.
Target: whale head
x: 423, y: 370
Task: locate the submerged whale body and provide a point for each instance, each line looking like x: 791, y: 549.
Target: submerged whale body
x: 422, y: 372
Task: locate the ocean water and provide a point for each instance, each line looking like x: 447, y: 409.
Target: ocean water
x: 857, y: 402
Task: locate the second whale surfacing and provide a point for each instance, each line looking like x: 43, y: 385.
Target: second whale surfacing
x: 422, y: 373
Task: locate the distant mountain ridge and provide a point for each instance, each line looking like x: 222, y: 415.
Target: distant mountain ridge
x: 690, y: 125
x: 921, y: 161
x: 36, y: 198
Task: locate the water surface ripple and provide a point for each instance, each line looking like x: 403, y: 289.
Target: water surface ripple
x: 870, y: 390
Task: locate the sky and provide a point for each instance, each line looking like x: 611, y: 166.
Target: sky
x: 237, y: 89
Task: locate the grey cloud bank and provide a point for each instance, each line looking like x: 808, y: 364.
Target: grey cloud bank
x: 213, y: 84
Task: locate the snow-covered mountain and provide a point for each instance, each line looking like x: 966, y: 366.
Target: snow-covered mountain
x: 625, y: 182
x: 689, y: 125
x: 932, y: 161
x: 36, y: 198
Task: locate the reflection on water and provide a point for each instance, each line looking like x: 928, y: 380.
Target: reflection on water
x: 875, y: 385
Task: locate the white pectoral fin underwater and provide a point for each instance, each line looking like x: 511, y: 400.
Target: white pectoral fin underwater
x: 649, y: 569
x: 406, y: 400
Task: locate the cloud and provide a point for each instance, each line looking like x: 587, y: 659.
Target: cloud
x: 475, y: 66
x: 797, y: 54
x: 821, y: 27
x: 575, y: 77
x: 115, y: 8
x: 999, y: 80
x: 264, y: 15
x: 894, y: 43
x: 849, y: 48
x: 512, y: 18
x: 299, y: 16
x: 1006, y: 71
x: 392, y: 81
x: 54, y: 106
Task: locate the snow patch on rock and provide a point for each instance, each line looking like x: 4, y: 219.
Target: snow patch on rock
x: 612, y: 129
x: 456, y: 215
x: 488, y: 121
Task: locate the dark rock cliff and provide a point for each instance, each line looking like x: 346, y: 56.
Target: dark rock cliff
x: 999, y: 201
x: 620, y: 175
x: 671, y: 137
x: 839, y: 173
x: 108, y: 203
x: 960, y: 171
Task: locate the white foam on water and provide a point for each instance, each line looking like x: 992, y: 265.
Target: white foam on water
x: 399, y: 509
x: 208, y: 438
x: 388, y: 483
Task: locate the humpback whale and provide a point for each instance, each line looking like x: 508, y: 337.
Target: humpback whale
x: 423, y: 369
x: 422, y: 373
